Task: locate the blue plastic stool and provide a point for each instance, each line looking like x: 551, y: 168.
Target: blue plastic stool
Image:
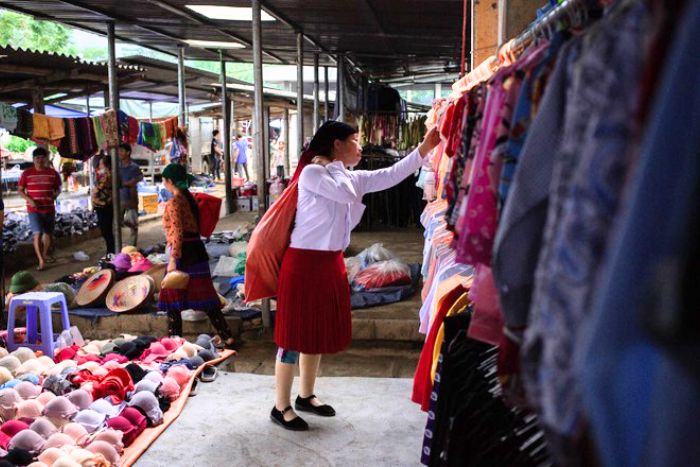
x: 33, y: 302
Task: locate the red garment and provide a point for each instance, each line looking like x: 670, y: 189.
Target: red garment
x: 422, y: 383
x: 67, y: 353
x: 132, y: 136
x: 457, y: 124
x: 170, y: 127
x: 313, y: 317
x: 116, y: 383
x: 487, y: 322
x: 446, y: 122
x: 41, y: 185
x: 82, y: 377
x: 136, y: 418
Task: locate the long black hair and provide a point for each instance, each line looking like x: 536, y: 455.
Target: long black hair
x: 191, y: 201
x: 322, y: 142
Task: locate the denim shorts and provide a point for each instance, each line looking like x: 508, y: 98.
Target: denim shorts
x: 40, y: 223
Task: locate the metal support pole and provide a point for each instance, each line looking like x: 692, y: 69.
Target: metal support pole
x: 181, y: 98
x: 285, y: 130
x: 150, y: 111
x: 87, y: 103
x: 317, y: 103
x: 300, y: 92
x: 266, y: 137
x: 340, y: 98
x: 225, y: 139
x: 114, y: 105
x: 327, y: 107
x: 259, y: 117
x: 472, y: 28
x: 438, y: 90
x: 258, y: 127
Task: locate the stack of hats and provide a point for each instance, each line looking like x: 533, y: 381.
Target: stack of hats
x: 87, y: 405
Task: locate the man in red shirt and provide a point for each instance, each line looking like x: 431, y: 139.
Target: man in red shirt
x: 40, y: 186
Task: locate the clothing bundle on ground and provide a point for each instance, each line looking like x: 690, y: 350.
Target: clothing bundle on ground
x: 16, y: 226
x: 546, y: 188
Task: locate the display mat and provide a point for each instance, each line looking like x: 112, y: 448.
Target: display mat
x: 144, y: 441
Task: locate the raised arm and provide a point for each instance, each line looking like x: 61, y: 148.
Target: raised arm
x: 377, y: 180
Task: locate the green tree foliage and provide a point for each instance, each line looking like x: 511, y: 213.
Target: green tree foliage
x: 18, y: 30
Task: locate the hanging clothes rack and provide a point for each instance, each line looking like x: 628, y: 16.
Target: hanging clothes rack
x: 574, y: 10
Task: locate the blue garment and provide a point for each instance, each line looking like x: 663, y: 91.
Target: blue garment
x: 519, y: 235
x: 523, y: 113
x: 643, y: 403
x: 590, y: 174
x: 126, y: 174
x: 242, y: 146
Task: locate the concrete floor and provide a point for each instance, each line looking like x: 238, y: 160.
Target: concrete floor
x: 227, y: 424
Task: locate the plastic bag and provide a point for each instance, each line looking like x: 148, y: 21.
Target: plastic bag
x: 228, y: 267
x: 268, y: 244
x: 237, y: 248
x: 383, y: 274
x: 131, y: 218
x: 374, y: 254
x: 353, y: 266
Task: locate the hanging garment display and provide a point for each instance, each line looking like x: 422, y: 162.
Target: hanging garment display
x: 530, y: 180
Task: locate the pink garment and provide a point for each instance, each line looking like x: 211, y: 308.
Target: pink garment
x: 487, y: 322
x: 156, y: 351
x: 478, y: 231
x: 116, y: 358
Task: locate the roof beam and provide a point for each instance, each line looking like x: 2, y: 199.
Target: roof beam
x: 201, y: 20
x: 280, y: 17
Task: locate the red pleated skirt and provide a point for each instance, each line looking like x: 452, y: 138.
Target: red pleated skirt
x: 313, y: 302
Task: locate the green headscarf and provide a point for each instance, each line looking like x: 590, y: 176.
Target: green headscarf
x: 177, y: 174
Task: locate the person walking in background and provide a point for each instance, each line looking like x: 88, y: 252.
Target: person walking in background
x: 129, y: 175
x: 40, y: 185
x: 180, y: 148
x: 242, y: 156
x: 102, y: 201
x: 188, y: 254
x: 217, y: 155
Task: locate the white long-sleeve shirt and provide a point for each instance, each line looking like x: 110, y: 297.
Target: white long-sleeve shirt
x: 330, y: 200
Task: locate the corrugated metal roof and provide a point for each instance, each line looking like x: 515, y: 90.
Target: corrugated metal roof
x: 23, y: 71
x: 383, y: 37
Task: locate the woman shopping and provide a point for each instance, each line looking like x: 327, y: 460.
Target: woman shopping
x: 313, y: 295
x: 102, y: 201
x: 188, y: 255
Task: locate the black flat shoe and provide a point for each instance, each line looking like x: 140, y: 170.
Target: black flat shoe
x: 303, y: 404
x: 295, y: 424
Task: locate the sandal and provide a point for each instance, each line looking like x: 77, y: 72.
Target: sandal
x: 295, y: 424
x: 209, y: 374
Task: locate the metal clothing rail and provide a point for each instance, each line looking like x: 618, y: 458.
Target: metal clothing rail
x: 547, y: 22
